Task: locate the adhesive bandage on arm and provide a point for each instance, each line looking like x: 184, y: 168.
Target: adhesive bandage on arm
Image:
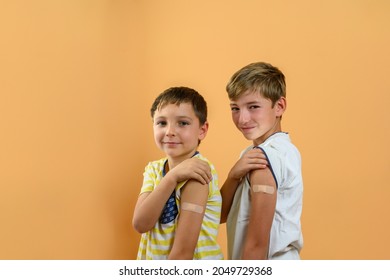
x: 263, y: 188
x: 192, y: 207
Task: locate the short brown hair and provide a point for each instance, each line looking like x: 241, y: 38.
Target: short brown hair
x: 179, y: 95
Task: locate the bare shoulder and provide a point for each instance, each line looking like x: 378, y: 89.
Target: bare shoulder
x: 195, y: 191
x: 262, y: 176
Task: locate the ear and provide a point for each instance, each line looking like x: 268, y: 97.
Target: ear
x: 280, y: 106
x: 203, y: 131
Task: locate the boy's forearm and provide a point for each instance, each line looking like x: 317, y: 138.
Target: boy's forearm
x: 227, y: 191
x: 181, y: 255
x: 148, y: 213
x: 158, y: 197
x: 256, y: 242
x: 257, y: 252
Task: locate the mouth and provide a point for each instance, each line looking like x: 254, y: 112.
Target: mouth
x: 246, y: 128
x: 170, y: 143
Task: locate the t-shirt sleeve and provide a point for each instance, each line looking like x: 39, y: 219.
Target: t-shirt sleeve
x: 274, y: 159
x: 149, y: 179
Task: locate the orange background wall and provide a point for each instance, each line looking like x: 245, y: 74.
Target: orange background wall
x: 77, y: 79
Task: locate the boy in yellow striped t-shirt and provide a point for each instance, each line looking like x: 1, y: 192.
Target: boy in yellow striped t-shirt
x: 178, y: 209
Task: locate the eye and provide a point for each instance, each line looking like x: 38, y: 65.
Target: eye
x: 183, y: 123
x: 161, y: 123
x: 234, y: 109
x: 252, y: 107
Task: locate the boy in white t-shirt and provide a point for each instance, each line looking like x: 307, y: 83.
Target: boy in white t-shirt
x: 262, y: 195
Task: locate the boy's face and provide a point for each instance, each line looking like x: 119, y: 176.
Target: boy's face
x: 177, y: 130
x: 255, y: 117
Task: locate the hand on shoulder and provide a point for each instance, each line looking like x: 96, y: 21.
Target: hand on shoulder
x: 192, y: 168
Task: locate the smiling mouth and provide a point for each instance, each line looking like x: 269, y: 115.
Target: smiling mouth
x: 170, y: 143
x: 246, y: 128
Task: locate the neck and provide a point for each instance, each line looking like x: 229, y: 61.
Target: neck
x: 275, y: 129
x: 174, y: 161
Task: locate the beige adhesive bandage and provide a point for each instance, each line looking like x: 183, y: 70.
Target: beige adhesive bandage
x: 192, y: 207
x: 263, y: 188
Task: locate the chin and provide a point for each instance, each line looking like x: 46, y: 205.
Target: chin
x: 249, y: 137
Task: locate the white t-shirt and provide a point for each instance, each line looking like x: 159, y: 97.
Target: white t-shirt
x: 286, y: 234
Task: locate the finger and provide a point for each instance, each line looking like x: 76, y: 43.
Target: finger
x: 209, y: 177
x: 257, y: 152
x: 262, y: 162
x: 201, y: 179
x: 261, y: 166
x: 206, y: 171
x: 257, y: 162
x: 256, y: 157
x: 259, y: 155
x: 201, y: 164
x: 206, y: 176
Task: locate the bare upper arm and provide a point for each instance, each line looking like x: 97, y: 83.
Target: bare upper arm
x: 195, y: 193
x: 263, y: 203
x: 190, y: 222
x: 261, y: 214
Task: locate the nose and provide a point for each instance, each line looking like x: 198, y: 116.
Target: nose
x: 170, y: 130
x: 243, y: 117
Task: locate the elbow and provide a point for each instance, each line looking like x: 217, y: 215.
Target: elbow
x: 255, y: 251
x: 140, y: 226
x: 139, y: 229
x: 182, y: 254
x: 224, y: 215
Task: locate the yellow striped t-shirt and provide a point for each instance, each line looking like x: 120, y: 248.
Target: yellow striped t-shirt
x: 156, y: 244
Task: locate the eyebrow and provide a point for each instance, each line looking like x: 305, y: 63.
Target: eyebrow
x: 177, y: 117
x: 248, y: 103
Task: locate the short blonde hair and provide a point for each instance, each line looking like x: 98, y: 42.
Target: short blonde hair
x: 259, y: 77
